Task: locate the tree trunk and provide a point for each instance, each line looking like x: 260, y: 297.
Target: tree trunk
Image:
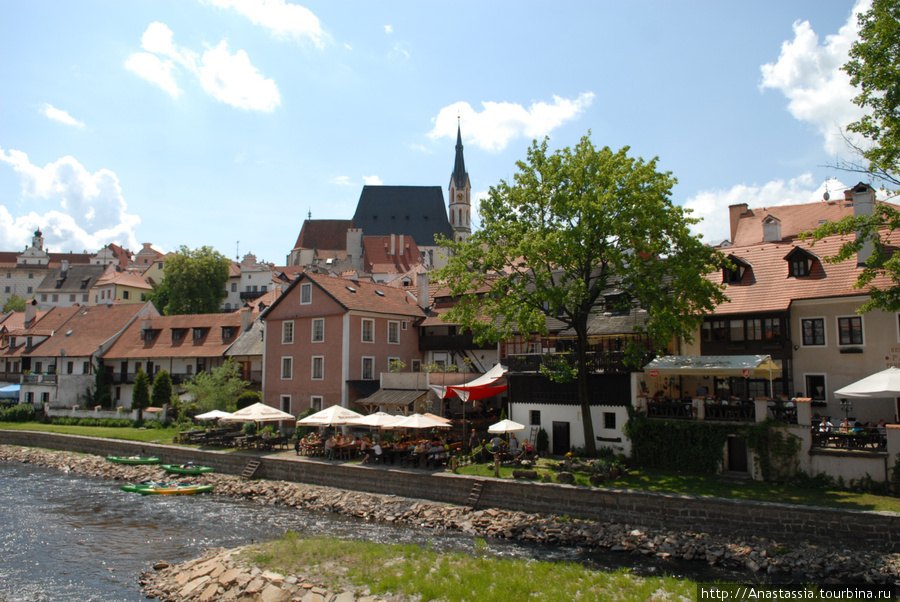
x: 590, y: 446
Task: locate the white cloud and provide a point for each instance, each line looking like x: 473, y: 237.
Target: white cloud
x: 231, y: 79
x: 810, y: 76
x: 285, y: 20
x: 372, y: 181
x: 93, y: 210
x: 388, y: 29
x: 341, y: 181
x: 227, y: 77
x: 59, y: 115
x: 501, y: 122
x: 712, y: 205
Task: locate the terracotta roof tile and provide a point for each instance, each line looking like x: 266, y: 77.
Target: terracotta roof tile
x: 364, y: 296
x: 328, y: 234
x: 89, y: 327
x: 211, y: 344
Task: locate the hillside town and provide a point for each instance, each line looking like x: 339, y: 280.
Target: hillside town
x: 354, y: 319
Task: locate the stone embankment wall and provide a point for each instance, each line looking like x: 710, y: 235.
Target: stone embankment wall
x: 827, y: 526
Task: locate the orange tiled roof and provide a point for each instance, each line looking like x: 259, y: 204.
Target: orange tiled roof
x: 90, y: 327
x: 124, y: 279
x: 132, y: 344
x: 366, y: 296
x: 768, y: 286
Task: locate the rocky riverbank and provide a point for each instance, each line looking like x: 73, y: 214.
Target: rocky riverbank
x: 762, y: 557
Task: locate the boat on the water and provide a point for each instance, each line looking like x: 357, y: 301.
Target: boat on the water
x: 168, y: 488
x: 187, y: 468
x: 134, y: 459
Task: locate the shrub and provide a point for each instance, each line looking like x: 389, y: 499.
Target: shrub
x: 247, y: 399
x: 18, y: 413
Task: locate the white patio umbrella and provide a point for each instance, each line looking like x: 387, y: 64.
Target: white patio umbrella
x: 213, y: 415
x: 418, y: 421
x: 378, y: 419
x: 506, y: 426
x: 881, y: 385
x: 259, y: 412
x: 335, y: 415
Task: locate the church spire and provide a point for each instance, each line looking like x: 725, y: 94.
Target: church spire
x: 460, y: 177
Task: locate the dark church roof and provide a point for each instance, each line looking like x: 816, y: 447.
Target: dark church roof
x: 323, y: 234
x: 416, y: 211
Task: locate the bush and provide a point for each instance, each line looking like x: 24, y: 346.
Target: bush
x: 247, y: 399
x: 18, y: 413
x: 542, y: 445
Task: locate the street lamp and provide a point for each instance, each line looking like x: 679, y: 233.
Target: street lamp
x: 847, y: 406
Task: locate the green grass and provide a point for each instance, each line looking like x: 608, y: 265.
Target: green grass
x: 451, y: 576
x: 714, y: 486
x: 146, y: 435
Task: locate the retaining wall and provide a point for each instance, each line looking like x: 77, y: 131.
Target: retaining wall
x: 781, y: 522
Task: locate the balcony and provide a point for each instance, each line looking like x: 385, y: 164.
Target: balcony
x: 35, y: 379
x: 251, y: 295
x: 598, y: 361
x: 450, y: 342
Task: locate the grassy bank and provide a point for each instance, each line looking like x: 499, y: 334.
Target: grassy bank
x: 144, y: 435
x: 412, y: 571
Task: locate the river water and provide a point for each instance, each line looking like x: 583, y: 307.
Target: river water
x: 66, y: 537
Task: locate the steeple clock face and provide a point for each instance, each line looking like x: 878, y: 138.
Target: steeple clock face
x: 460, y: 196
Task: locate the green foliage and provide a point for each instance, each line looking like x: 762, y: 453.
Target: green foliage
x: 249, y: 428
x: 141, y: 395
x: 162, y: 389
x: 101, y: 422
x: 542, y: 445
x: 777, y: 459
x: 102, y: 393
x: 193, y: 282
x: 873, y: 70
x: 247, y: 399
x: 676, y: 445
x: 575, y: 225
x: 397, y: 366
x: 217, y: 389
x: 558, y: 369
x: 14, y: 303
x: 23, y: 412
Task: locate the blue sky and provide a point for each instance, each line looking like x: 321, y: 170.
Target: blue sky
x: 225, y: 122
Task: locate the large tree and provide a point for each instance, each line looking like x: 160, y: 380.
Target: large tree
x: 193, y: 282
x: 14, y: 303
x: 140, y: 399
x: 573, y: 225
x: 218, y: 389
x: 162, y: 389
x: 874, y: 69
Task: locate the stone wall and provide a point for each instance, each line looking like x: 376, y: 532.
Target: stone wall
x: 783, y: 522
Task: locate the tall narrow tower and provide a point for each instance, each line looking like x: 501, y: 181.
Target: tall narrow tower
x: 460, y: 194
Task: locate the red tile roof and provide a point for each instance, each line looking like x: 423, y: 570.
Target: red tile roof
x: 211, y: 344
x: 361, y: 296
x: 89, y: 327
x: 327, y: 234
x: 380, y: 260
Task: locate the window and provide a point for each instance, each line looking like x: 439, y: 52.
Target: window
x: 813, y: 330
x: 45, y: 397
x: 286, y: 403
x: 234, y: 287
x: 609, y: 420
x: 850, y: 331
x: 125, y: 295
x: 394, y: 333
x: 30, y: 290
x: 72, y: 297
x: 799, y: 267
x: 227, y: 332
x: 815, y: 387
x: 368, y: 368
x: 287, y: 368
x: 771, y: 329
x: 736, y: 328
x: 316, y: 402
x: 318, y: 330
x: 84, y: 298
x: 198, y: 333
x: 30, y: 275
x: 8, y: 289
x: 54, y: 298
x: 318, y: 367
x: 305, y: 293
x: 178, y: 333
x: 714, y: 330
x: 70, y: 367
x: 395, y: 364
x: 368, y: 331
x: 86, y: 368
x: 43, y: 298
x: 417, y: 365
x: 534, y: 417
x: 29, y: 397
x: 403, y: 325
x: 287, y: 332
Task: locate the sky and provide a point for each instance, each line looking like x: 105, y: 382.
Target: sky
x: 226, y: 123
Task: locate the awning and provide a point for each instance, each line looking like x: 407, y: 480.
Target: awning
x: 489, y: 384
x: 757, y: 366
x: 10, y: 392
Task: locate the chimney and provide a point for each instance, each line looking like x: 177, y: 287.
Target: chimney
x: 393, y: 244
x: 246, y: 319
x: 863, y: 204
x: 30, y: 311
x: 734, y: 216
x: 63, y: 267
x: 422, y: 289
x: 401, y: 244
x: 771, y: 229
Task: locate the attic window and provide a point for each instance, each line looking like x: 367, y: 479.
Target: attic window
x: 178, y: 333
x: 199, y: 332
x: 84, y: 282
x: 148, y: 334
x: 227, y: 332
x: 734, y: 274
x: 800, y: 267
x: 379, y: 293
x: 351, y: 289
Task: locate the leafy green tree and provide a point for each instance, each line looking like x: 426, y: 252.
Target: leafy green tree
x: 193, y: 282
x: 14, y: 303
x: 218, y: 389
x: 140, y: 398
x: 573, y: 225
x: 247, y: 399
x: 874, y: 69
x: 162, y: 388
x: 102, y: 395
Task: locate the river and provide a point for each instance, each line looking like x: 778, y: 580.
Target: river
x: 67, y: 537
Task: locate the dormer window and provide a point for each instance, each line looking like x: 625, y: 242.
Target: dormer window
x: 178, y: 333
x: 800, y: 262
x: 617, y: 305
x: 735, y: 273
x: 148, y: 334
x: 198, y: 333
x: 227, y: 332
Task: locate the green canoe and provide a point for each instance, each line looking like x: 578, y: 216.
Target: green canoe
x: 134, y: 459
x: 172, y: 489
x: 187, y: 468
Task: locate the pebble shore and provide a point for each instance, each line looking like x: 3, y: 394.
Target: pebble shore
x: 220, y: 575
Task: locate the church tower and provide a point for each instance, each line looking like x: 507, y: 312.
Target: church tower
x: 460, y: 194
